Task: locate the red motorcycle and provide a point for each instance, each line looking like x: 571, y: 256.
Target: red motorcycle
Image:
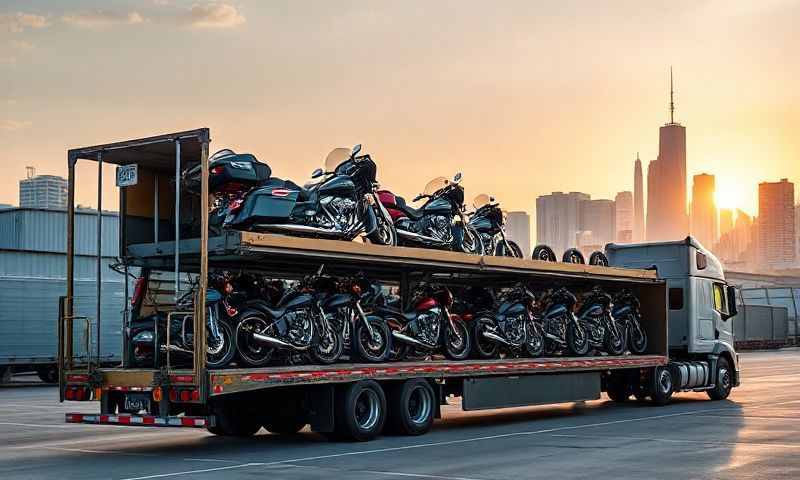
x: 428, y: 326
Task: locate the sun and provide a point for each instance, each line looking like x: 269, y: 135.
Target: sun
x: 731, y: 195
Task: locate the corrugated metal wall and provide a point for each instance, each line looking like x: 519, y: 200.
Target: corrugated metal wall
x: 33, y: 269
x: 46, y: 231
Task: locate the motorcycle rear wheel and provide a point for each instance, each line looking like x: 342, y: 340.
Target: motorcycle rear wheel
x: 328, y: 349
x: 228, y: 351
x: 544, y: 253
x: 457, y: 343
x: 513, y: 250
x: 483, y: 347
x: 577, y: 340
x: 614, y: 344
x: 372, y: 348
x: 637, y: 339
x: 251, y: 354
x: 534, y: 344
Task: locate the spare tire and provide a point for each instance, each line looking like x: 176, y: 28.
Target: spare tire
x: 598, y: 258
x: 545, y: 253
x: 573, y: 255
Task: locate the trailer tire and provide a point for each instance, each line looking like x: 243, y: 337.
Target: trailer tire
x: 48, y: 373
x: 723, y: 381
x: 234, y: 422
x: 617, y: 390
x: 359, y: 411
x: 412, y: 405
x: 285, y: 425
x: 662, y: 386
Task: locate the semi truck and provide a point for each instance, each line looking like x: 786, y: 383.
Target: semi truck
x: 355, y: 401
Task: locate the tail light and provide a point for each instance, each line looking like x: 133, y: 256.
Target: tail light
x: 236, y: 204
x: 138, y: 291
x: 356, y: 289
x: 157, y: 394
x: 217, y: 170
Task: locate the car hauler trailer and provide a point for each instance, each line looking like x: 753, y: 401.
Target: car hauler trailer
x: 165, y: 230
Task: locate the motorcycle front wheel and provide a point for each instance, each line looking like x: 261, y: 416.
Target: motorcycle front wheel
x: 482, y: 347
x: 385, y: 233
x: 221, y: 351
x: 250, y: 352
x: 577, y: 340
x: 471, y: 242
x: 373, y: 348
x: 637, y: 337
x: 614, y: 341
x: 534, y: 343
x: 328, y: 347
x: 457, y: 341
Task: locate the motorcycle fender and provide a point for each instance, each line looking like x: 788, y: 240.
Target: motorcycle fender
x: 370, y: 221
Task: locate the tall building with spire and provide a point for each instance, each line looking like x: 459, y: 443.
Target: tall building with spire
x: 638, y: 201
x: 666, y: 181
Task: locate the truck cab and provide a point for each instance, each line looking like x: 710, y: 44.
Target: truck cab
x: 701, y: 306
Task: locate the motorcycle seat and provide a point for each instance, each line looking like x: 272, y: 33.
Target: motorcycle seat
x: 410, y: 211
x: 408, y: 316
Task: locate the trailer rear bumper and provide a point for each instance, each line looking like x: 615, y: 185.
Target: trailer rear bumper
x: 141, y: 420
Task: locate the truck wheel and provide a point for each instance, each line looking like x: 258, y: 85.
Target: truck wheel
x: 235, y: 422
x: 723, y: 381
x: 48, y: 374
x: 617, y: 391
x: 411, y: 407
x: 661, y: 386
x: 360, y: 411
x: 285, y: 425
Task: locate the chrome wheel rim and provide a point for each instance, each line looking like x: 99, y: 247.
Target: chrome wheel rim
x: 420, y: 405
x: 367, y: 409
x: 665, y: 381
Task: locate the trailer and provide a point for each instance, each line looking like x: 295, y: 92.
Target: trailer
x: 165, y: 230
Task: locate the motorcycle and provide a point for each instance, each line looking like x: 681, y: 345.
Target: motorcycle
x: 594, y: 314
x: 230, y: 177
x: 510, y: 326
x: 428, y: 326
x: 489, y: 221
x: 296, y: 324
x: 366, y: 336
x: 560, y: 325
x: 439, y: 223
x: 150, y: 332
x: 626, y: 310
x: 342, y: 204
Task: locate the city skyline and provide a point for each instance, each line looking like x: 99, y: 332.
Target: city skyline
x: 524, y: 100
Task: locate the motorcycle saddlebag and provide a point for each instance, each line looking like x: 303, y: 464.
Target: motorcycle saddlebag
x: 230, y: 171
x: 273, y: 202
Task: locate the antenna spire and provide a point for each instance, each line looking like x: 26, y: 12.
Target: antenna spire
x: 671, y: 98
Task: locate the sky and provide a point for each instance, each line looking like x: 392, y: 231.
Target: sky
x: 522, y: 97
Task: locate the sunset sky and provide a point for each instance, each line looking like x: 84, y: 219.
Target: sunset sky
x: 523, y: 97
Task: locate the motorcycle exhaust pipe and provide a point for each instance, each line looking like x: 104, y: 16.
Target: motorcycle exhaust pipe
x: 175, y: 348
x: 288, y: 227
x: 554, y: 338
x: 421, y: 238
x: 276, y: 342
x: 495, y: 337
x: 411, y: 340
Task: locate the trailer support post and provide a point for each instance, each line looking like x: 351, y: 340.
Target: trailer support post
x: 68, y: 307
x: 200, y: 304
x: 177, y: 219
x: 98, y: 306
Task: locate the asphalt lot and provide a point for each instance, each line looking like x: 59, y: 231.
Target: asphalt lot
x: 754, y: 434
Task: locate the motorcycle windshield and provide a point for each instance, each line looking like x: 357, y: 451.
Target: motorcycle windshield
x: 435, y: 185
x: 481, y: 200
x: 335, y: 158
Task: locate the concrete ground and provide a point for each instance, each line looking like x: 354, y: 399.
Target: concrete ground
x: 754, y: 434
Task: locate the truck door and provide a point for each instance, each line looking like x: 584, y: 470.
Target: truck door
x: 706, y: 316
x: 722, y: 323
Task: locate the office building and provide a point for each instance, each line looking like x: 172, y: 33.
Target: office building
x: 518, y: 229
x: 704, y: 212
x: 43, y: 191
x: 776, y: 227
x: 638, y: 201
x: 624, y: 217
x: 666, y: 182
x: 599, y: 218
x: 557, y: 219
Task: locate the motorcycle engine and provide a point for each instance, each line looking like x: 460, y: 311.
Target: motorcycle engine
x: 299, y: 327
x: 514, y: 329
x: 341, y: 211
x: 428, y: 327
x: 556, y: 327
x: 437, y: 226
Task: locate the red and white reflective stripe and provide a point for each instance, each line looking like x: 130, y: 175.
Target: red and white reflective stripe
x: 144, y: 420
x: 120, y: 388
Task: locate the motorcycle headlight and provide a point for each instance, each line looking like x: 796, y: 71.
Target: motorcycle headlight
x: 144, y: 337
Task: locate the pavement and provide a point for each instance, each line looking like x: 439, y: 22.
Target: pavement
x: 753, y: 434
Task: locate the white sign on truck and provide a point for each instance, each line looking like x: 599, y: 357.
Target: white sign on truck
x: 127, y: 175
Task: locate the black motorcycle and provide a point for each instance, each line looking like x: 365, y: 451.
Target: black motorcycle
x: 296, y: 324
x: 562, y: 330
x: 150, y: 333
x: 626, y: 311
x: 343, y: 204
x: 594, y: 314
x: 428, y: 326
x: 489, y: 221
x: 509, y: 327
x: 366, y: 336
x: 440, y: 223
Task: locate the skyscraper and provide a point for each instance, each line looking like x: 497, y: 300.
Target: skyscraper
x: 776, y: 228
x: 638, y: 201
x: 725, y: 221
x: 704, y: 211
x: 666, y: 182
x: 597, y: 217
x: 624, y: 217
x: 518, y: 229
x: 43, y: 191
x: 557, y: 219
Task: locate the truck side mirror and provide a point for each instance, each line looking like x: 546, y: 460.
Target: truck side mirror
x: 732, y: 308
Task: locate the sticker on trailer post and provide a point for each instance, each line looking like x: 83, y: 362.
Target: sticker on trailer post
x: 127, y: 175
